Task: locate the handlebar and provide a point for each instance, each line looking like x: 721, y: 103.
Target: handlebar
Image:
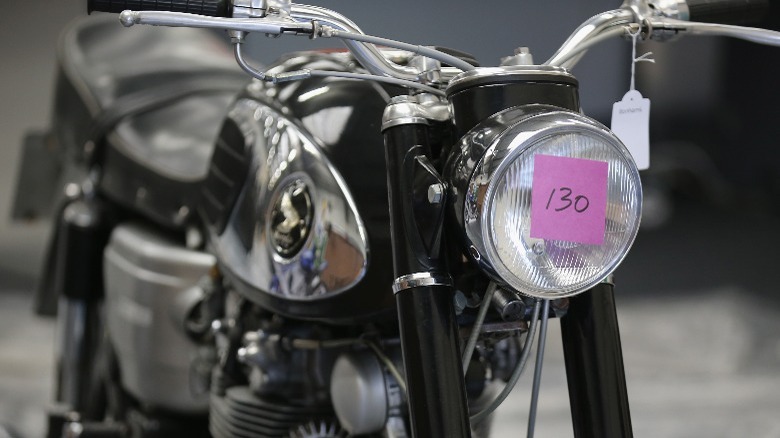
x: 595, y: 27
x: 656, y: 19
x: 368, y: 55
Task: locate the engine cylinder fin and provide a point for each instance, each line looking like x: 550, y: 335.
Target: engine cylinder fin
x: 241, y: 413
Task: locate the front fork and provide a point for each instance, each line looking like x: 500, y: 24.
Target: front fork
x: 429, y: 333
x: 423, y: 288
x: 78, y: 282
x: 594, y: 365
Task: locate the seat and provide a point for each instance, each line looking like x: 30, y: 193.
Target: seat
x: 146, y: 105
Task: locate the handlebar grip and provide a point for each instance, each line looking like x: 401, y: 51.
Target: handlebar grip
x: 213, y: 8
x: 741, y: 12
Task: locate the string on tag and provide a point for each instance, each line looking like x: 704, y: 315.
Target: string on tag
x: 645, y: 57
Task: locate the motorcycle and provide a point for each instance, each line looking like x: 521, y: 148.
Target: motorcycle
x: 354, y: 243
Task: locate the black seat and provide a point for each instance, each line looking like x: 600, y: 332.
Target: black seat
x: 145, y: 104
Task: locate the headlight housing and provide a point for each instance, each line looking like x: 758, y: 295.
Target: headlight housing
x: 549, y: 200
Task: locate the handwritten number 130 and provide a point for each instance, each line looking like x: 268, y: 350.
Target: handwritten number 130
x: 580, y: 202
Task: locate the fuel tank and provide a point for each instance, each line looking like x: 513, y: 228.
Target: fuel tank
x: 296, y: 195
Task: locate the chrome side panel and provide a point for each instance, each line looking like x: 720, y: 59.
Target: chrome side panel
x: 334, y: 254
x: 151, y: 284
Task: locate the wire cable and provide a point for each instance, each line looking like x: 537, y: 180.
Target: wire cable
x: 389, y: 364
x: 414, y: 48
x: 538, y: 368
x: 477, y: 327
x: 510, y: 384
x: 306, y: 73
x: 370, y: 77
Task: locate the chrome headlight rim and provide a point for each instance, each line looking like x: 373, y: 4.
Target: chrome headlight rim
x: 520, y: 138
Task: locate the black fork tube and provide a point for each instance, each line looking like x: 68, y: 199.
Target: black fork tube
x: 429, y: 333
x: 594, y: 366
x: 78, y: 279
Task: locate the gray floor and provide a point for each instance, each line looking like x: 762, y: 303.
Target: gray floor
x: 26, y: 364
x: 698, y: 365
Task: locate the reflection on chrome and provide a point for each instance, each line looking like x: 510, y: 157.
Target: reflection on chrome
x: 295, y: 231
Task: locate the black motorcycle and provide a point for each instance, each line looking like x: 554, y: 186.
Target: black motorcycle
x: 354, y: 243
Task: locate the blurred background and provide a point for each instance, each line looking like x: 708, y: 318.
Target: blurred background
x: 697, y: 297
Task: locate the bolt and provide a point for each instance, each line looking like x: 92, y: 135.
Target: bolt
x: 217, y: 326
x: 460, y: 302
x: 435, y: 193
x: 242, y: 354
x: 474, y: 253
x: 522, y: 56
x: 73, y: 430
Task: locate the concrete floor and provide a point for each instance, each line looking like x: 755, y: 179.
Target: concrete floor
x: 698, y: 365
x: 26, y: 364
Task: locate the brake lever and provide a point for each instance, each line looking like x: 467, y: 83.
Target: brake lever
x: 180, y: 19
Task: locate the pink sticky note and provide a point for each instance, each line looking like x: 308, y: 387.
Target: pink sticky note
x: 569, y: 199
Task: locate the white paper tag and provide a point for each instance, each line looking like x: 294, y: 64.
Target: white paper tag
x: 631, y: 123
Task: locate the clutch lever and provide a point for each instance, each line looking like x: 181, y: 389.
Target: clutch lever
x: 661, y: 27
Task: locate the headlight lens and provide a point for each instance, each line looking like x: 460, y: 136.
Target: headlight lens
x: 553, y: 205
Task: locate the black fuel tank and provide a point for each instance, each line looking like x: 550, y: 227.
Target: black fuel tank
x: 296, y: 196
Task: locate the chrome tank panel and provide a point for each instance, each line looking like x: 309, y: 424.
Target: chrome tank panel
x: 151, y: 285
x: 319, y: 138
x: 333, y: 255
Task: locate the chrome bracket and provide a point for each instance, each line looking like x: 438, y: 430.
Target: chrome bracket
x: 421, y: 279
x: 647, y: 10
x: 677, y: 9
x: 417, y: 109
x: 249, y: 8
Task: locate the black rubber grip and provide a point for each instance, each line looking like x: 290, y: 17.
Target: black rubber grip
x: 213, y: 8
x: 742, y: 12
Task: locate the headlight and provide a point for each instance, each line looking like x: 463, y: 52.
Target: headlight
x: 552, y: 205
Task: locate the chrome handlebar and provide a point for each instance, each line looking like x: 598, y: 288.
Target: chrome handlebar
x: 592, y: 28
x: 366, y: 54
x: 656, y: 19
